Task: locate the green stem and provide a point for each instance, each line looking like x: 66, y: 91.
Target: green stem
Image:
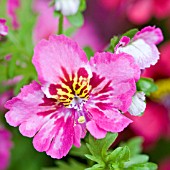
x: 60, y: 25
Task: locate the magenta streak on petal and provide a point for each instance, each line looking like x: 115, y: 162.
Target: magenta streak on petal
x: 95, y: 80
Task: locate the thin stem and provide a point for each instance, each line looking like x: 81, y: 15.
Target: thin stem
x: 60, y: 25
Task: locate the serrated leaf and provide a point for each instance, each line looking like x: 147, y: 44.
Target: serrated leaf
x: 130, y: 33
x: 76, y: 20
x: 146, y: 85
x: 144, y: 166
x: 89, y: 52
x: 120, y: 154
x: 137, y: 142
x: 137, y: 159
x: 93, y: 158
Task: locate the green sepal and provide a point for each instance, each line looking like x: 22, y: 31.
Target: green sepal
x: 89, y: 52
x: 131, y: 33
x: 113, y: 42
x: 76, y: 20
x: 146, y: 85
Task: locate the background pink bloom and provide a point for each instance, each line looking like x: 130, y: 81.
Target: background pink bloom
x: 165, y: 164
x: 5, y: 146
x: 3, y: 27
x: 74, y: 96
x: 12, y: 6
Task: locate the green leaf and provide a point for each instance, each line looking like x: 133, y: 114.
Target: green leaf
x: 137, y: 142
x: 120, y: 154
x: 70, y: 31
x: 71, y: 165
x: 137, y: 159
x: 113, y: 42
x: 146, y: 85
x: 96, y: 167
x: 98, y: 148
x: 80, y: 152
x: 76, y: 20
x: 144, y: 166
x: 130, y: 33
x: 82, y: 6
x: 89, y: 52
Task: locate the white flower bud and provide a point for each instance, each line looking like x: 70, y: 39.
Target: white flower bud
x: 67, y: 7
x: 138, y: 104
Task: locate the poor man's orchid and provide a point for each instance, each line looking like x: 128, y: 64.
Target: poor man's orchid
x: 3, y: 27
x: 74, y: 95
x: 142, y: 47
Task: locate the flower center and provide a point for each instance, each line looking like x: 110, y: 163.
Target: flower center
x: 73, y: 91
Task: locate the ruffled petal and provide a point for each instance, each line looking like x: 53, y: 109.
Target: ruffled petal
x: 42, y: 118
x: 59, y: 51
x: 113, y: 80
x: 144, y: 54
x: 150, y: 35
x: 95, y: 130
x: 109, y: 120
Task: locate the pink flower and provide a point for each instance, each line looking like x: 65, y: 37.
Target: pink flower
x: 5, y: 146
x: 12, y: 6
x: 140, y: 12
x: 142, y: 47
x: 165, y: 164
x: 3, y: 27
x: 75, y: 95
x: 152, y: 124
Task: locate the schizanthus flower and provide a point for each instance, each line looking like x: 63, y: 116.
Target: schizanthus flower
x: 75, y: 95
x: 3, y: 27
x: 142, y: 47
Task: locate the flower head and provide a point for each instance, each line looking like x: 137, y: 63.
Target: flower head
x: 67, y: 7
x: 3, y: 27
x: 75, y: 95
x: 142, y: 47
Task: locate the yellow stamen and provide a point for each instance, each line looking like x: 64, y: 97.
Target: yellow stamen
x: 81, y: 119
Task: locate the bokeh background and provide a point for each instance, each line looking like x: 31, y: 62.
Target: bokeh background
x: 103, y: 19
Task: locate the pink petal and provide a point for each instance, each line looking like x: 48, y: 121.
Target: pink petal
x: 109, y: 120
x: 52, y: 124
x: 145, y: 54
x: 3, y: 27
x: 150, y: 35
x: 118, y: 74
x: 12, y: 6
x: 5, y: 146
x: 95, y: 130
x: 50, y: 56
x: 77, y: 137
x: 63, y: 140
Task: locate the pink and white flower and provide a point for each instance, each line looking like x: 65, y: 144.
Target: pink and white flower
x: 5, y: 146
x: 3, y: 27
x: 75, y: 95
x: 12, y: 6
x: 142, y: 47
